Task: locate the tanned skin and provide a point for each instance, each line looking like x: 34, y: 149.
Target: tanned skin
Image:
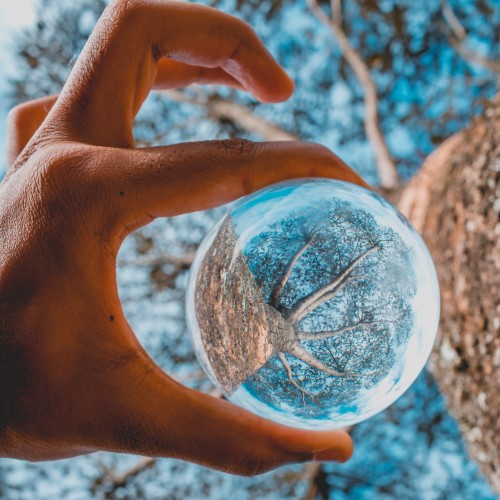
x: 73, y: 377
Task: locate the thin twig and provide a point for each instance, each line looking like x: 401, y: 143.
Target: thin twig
x: 313, y: 470
x: 389, y: 178
x: 300, y: 353
x: 119, y: 480
x: 459, y: 41
x: 224, y: 109
x: 285, y: 364
x: 453, y: 21
x: 280, y: 285
x: 333, y: 333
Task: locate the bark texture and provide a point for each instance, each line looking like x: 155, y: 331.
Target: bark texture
x: 455, y: 203
x: 233, y: 317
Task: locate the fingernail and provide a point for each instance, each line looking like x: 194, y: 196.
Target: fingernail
x: 332, y: 455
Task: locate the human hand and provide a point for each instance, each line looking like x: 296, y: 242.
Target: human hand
x: 74, y: 378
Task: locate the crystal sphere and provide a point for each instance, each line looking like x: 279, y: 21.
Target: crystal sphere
x: 313, y: 303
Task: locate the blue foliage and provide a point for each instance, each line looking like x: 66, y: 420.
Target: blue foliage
x: 415, y: 434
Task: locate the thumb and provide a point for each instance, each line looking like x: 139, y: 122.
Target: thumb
x: 154, y: 415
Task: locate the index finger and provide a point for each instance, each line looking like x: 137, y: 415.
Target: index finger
x: 118, y: 65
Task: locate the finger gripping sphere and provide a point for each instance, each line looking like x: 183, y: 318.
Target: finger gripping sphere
x: 313, y: 303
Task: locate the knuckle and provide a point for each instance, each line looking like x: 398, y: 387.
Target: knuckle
x: 254, y: 465
x: 241, y: 153
x: 238, y: 146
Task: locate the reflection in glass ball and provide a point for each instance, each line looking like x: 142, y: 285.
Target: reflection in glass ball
x: 313, y: 303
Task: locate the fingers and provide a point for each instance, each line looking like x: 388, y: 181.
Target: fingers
x: 23, y: 121
x: 119, y: 64
x: 146, y: 183
x: 171, y: 74
x: 155, y: 416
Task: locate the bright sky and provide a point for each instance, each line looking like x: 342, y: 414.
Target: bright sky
x: 13, y: 16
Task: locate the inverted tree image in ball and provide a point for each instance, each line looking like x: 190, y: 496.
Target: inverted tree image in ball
x: 314, y: 303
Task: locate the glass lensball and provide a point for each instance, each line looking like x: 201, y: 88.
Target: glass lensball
x: 314, y: 303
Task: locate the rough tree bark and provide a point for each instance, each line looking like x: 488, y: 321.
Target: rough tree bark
x: 220, y: 309
x: 455, y: 202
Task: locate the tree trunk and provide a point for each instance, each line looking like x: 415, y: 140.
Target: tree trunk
x: 233, y: 318
x: 454, y: 202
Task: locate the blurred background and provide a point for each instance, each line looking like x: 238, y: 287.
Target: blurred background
x: 427, y: 67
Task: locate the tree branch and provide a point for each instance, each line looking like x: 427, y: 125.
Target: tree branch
x: 181, y: 261
x: 333, y: 333
x: 452, y: 20
x: 313, y: 471
x: 389, y: 178
x: 328, y: 296
x: 310, y: 302
x: 224, y: 109
x: 278, y: 289
x: 459, y: 42
x: 285, y: 364
x: 116, y: 481
x: 219, y: 108
x: 300, y: 353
